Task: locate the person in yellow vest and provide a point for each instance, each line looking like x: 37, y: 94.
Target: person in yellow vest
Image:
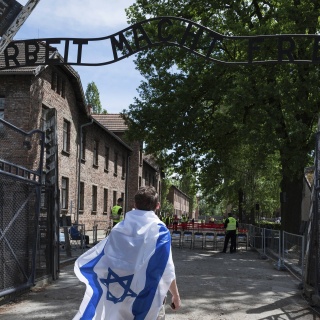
x: 116, y: 212
x: 231, y: 225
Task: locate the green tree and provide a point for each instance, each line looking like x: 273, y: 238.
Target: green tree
x: 93, y: 98
x: 202, y: 112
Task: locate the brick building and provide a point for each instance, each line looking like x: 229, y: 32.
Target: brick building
x: 143, y: 169
x: 92, y: 162
x: 180, y: 201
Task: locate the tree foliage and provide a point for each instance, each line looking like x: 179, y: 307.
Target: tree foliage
x: 93, y: 98
x: 221, y: 120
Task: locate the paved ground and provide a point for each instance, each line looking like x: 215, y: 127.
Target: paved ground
x: 213, y: 286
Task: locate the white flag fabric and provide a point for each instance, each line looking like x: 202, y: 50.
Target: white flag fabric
x: 128, y: 274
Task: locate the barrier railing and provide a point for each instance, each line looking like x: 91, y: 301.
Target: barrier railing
x: 273, y: 243
x: 100, y: 230
x: 293, y: 252
x: 285, y: 248
x: 196, y: 226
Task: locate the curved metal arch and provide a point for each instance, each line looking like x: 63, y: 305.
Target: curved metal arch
x: 162, y: 31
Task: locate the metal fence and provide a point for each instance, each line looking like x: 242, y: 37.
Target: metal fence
x: 100, y: 230
x: 293, y: 252
x: 286, y: 249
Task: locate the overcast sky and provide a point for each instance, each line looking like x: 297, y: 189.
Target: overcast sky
x: 117, y: 82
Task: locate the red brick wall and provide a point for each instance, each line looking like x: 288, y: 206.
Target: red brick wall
x: 179, y: 200
x: 25, y: 96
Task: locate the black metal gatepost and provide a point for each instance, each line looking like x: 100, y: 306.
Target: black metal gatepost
x: 312, y: 273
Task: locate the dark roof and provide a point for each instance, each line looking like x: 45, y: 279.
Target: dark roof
x: 154, y: 166
x: 111, y: 133
x: 35, y: 70
x: 70, y: 72
x: 112, y: 121
x: 176, y: 188
x: 21, y: 59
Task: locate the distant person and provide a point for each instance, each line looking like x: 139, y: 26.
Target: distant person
x: 167, y: 221
x: 129, y: 273
x: 175, y: 222
x: 117, y: 212
x: 75, y: 234
x: 184, y: 223
x: 231, y: 225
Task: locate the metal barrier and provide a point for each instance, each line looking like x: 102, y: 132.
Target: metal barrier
x: 100, y: 230
x: 256, y: 239
x: 286, y: 249
x: 293, y: 252
x: 272, y: 243
x: 67, y: 243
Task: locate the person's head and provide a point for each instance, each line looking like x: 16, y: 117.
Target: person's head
x: 146, y: 198
x: 120, y: 201
x: 230, y: 214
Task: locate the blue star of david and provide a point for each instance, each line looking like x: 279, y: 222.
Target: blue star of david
x: 124, y: 282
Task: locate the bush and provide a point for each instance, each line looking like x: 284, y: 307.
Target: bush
x: 269, y: 225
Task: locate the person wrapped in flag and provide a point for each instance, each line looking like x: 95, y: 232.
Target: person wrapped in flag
x: 129, y: 273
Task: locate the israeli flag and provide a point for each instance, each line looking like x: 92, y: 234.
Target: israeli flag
x: 128, y: 274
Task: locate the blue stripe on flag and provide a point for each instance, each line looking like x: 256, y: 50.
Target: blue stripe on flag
x: 91, y: 276
x: 154, y: 272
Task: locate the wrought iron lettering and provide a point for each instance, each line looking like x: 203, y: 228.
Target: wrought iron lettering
x: 162, y: 31
x: 121, y: 45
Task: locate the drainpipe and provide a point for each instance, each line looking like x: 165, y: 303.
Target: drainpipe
x: 79, y: 164
x: 126, y: 184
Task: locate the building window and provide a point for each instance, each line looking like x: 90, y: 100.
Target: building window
x: 115, y: 164
x: 114, y: 198
x: 106, y: 158
x: 66, y: 136
x: 94, y: 198
x: 123, y: 173
x: 54, y: 81
x: 146, y: 178
x: 63, y: 89
x: 58, y: 84
x: 2, y: 100
x: 140, y: 182
x: 64, y: 193
x: 83, y: 146
x: 81, y: 200
x: 95, y: 152
x: 105, y: 201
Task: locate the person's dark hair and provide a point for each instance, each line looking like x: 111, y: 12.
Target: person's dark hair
x: 146, y: 198
x: 120, y: 200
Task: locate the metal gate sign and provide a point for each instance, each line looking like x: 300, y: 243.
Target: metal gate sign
x: 12, y: 17
x: 166, y: 31
x: 9, y: 10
